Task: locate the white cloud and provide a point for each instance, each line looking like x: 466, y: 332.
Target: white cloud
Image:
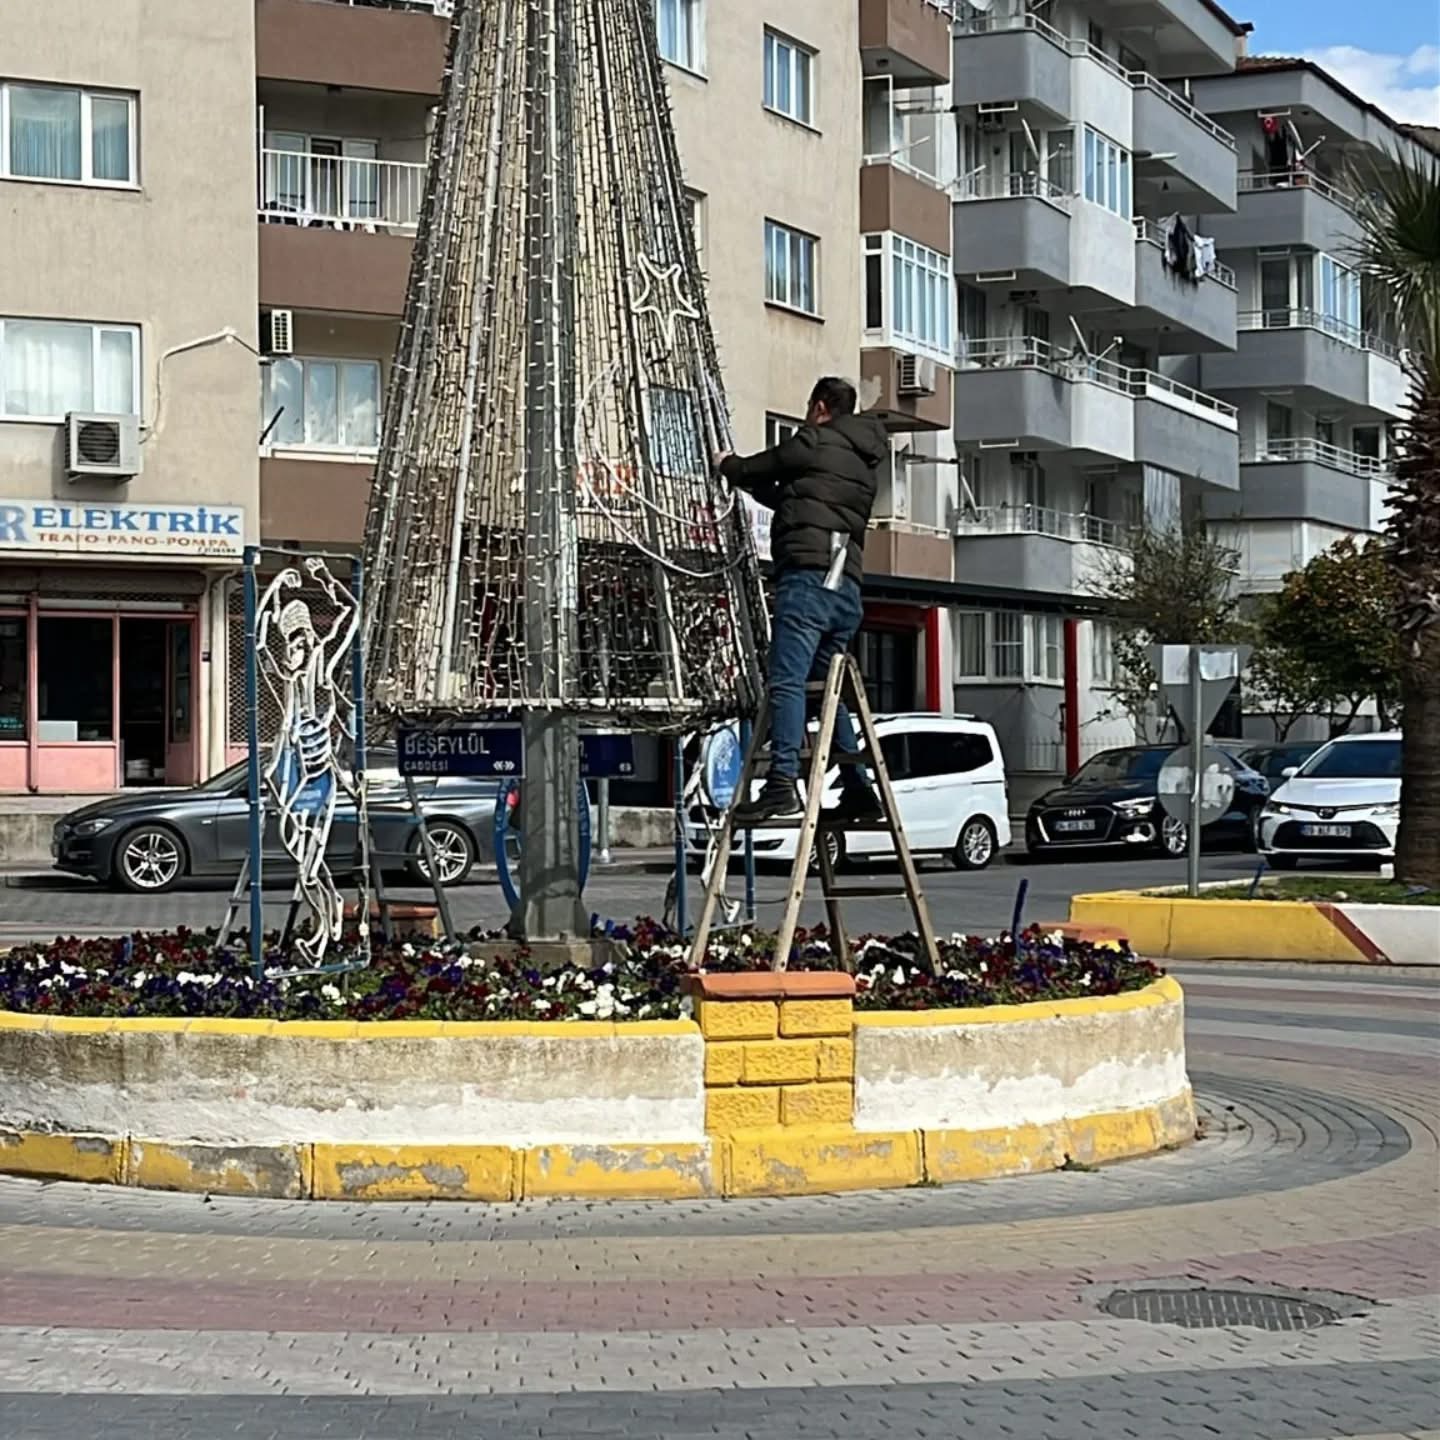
x: 1406, y: 87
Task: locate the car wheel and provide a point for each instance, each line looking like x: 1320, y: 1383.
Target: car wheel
x: 975, y: 848
x: 834, y: 843
x: 1282, y: 862
x: 1174, y: 837
x: 454, y: 853
x: 150, y: 860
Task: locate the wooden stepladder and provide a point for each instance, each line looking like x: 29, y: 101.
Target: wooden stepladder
x: 842, y: 683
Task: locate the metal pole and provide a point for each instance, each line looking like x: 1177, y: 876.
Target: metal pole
x: 252, y: 743
x: 1195, y: 725
x: 682, y: 925
x: 746, y: 732
x: 602, y: 807
x: 360, y: 762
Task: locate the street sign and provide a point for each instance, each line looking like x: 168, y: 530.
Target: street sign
x: 1220, y: 669
x: 606, y: 756
x: 1217, y: 784
x: 720, y: 765
x: 476, y: 751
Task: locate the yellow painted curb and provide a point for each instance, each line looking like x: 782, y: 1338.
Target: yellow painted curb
x: 1175, y: 927
x: 1161, y: 992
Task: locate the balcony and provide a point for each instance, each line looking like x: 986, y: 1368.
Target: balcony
x: 314, y: 501
x: 1000, y: 59
x: 1191, y: 315
x: 1029, y: 547
x: 1303, y: 351
x: 1283, y: 208
x: 906, y: 39
x: 1183, y: 146
x: 892, y: 198
x: 1028, y: 394
x: 1306, y: 479
x: 893, y: 547
x: 340, y: 192
x: 897, y: 409
x: 1013, y: 224
x: 382, y: 47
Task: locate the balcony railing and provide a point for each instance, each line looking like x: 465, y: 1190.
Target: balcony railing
x: 1252, y: 181
x: 1040, y: 520
x: 1151, y: 234
x: 1013, y: 185
x: 1305, y: 319
x: 1019, y: 352
x: 1083, y: 50
x: 340, y: 191
x: 1288, y: 451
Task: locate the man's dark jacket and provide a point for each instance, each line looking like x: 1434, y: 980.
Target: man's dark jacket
x: 820, y: 480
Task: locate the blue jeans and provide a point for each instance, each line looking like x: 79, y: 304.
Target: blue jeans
x: 811, y: 626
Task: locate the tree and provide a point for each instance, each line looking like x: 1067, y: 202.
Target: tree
x: 1176, y: 586
x: 1327, y: 643
x: 1399, y: 252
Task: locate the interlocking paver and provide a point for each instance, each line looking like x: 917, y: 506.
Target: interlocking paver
x: 936, y: 1313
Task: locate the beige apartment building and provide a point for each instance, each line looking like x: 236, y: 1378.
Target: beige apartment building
x: 127, y: 293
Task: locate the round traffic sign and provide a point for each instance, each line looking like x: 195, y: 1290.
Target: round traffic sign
x: 720, y: 765
x: 1217, y: 784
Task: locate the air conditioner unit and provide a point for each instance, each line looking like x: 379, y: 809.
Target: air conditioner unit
x: 917, y: 375
x: 277, y: 332
x: 102, y: 447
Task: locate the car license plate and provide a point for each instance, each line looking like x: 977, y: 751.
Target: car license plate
x: 1334, y: 832
x: 1072, y: 827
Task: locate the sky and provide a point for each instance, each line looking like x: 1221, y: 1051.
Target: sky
x: 1387, y: 51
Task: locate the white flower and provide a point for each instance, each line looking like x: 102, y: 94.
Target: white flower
x: 588, y: 1007
x: 548, y: 983
x: 140, y: 978
x: 984, y: 969
x: 332, y: 994
x: 899, y: 976
x: 540, y: 1005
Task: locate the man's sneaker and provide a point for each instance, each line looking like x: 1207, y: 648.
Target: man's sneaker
x: 778, y: 800
x: 858, y: 803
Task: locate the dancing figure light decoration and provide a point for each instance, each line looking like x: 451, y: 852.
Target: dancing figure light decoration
x: 545, y: 533
x: 304, y: 777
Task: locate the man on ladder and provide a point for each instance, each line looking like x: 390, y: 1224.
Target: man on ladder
x: 821, y: 484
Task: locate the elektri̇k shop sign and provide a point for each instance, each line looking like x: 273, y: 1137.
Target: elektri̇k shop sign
x: 98, y: 528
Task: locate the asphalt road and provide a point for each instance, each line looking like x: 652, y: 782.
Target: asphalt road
x: 42, y: 905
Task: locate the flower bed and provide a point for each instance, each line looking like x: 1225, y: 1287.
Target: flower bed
x: 181, y: 974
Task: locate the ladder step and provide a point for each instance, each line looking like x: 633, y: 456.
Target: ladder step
x: 837, y: 757
x: 873, y: 892
x: 826, y: 823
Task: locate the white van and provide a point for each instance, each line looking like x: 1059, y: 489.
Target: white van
x: 949, y: 778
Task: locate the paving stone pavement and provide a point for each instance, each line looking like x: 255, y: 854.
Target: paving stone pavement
x: 969, y: 1311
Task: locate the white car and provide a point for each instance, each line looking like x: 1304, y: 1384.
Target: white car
x: 949, y: 778
x: 1343, y: 803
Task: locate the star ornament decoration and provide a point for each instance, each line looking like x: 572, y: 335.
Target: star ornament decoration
x: 662, y: 293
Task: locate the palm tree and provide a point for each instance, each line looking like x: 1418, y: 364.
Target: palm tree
x: 1399, y: 251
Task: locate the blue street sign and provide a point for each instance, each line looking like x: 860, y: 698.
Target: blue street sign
x: 607, y: 757
x: 485, y: 751
x: 721, y: 761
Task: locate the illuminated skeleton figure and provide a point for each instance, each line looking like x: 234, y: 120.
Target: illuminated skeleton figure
x: 304, y: 776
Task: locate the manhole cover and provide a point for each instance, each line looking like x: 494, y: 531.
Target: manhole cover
x: 1199, y: 1309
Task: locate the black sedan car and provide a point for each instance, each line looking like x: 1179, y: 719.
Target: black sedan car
x: 1272, y: 761
x: 1113, y: 800
x: 148, y: 841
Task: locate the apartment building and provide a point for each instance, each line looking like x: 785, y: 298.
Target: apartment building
x: 1088, y: 191
x: 128, y: 384
x: 1315, y: 375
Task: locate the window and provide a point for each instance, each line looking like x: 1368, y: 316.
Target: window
x: 1007, y: 645
x: 1339, y: 297
x: 675, y: 432
x: 778, y: 429
x: 1107, y: 173
x: 916, y: 312
x: 75, y: 661
x: 1354, y: 760
x: 1287, y: 288
x: 895, y: 750
x: 970, y: 644
x: 679, y: 29
x: 317, y: 404
x: 1045, y: 647
x: 55, y: 132
x: 50, y: 367
x: 972, y: 315
x: 1279, y: 426
x: 696, y: 201
x: 14, y: 675
x: 788, y: 71
x: 790, y: 268
x: 934, y: 752
x: 1102, y: 653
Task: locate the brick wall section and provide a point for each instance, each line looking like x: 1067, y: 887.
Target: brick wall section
x: 779, y: 1050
